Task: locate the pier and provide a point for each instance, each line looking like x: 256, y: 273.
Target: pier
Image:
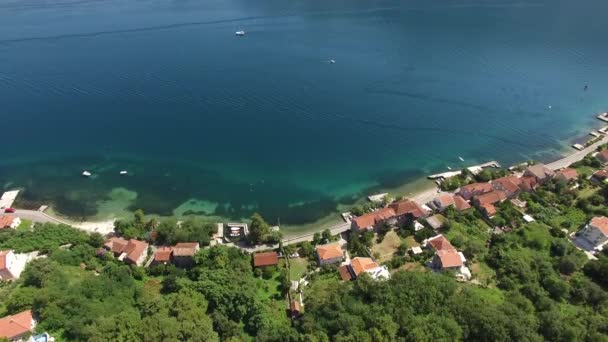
x: 475, y: 169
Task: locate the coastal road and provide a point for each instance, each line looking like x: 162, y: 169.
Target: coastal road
x: 576, y: 156
x: 335, y: 230
x: 36, y: 216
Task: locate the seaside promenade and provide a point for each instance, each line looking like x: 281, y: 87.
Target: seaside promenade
x: 576, y: 156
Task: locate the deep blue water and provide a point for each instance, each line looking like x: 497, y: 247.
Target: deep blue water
x: 263, y: 122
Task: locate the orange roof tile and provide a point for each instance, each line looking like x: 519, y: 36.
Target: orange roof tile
x: 328, y: 252
x: 491, y: 197
x: 567, y: 174
x: 16, y: 325
x: 3, y: 255
x: 295, y: 306
x: 510, y: 184
x: 185, y: 249
x: 440, y: 243
x: 405, y: 207
x: 6, y: 221
x: 603, y: 156
x: 449, y: 258
x: 163, y: 254
x: 345, y: 273
x: 445, y: 200
x: 476, y: 188
x: 359, y: 265
x: 135, y: 249
x: 265, y: 259
x: 460, y: 203
x: 370, y: 219
x: 601, y: 223
x: 490, y: 209
x: 602, y: 174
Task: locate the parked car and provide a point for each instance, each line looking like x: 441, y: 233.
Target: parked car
x: 9, y: 210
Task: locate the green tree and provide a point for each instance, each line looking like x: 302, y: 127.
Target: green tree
x: 258, y: 230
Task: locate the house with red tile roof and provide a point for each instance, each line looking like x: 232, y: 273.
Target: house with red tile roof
x: 600, y: 176
x: 345, y: 273
x: 183, y: 253
x: 447, y: 257
x: 163, y: 255
x: 408, y: 209
x: 359, y: 265
x: 596, y: 232
x: 17, y: 326
x: 373, y: 220
x: 9, y: 222
x: 460, y: 203
x: 486, y: 202
x: 8, y: 265
x: 443, y: 201
x: 329, y: 254
x: 469, y: 191
x: 265, y: 259
x: 540, y: 172
x: 567, y: 174
x: 131, y: 251
x: 295, y: 309
x: 510, y: 185
x: 602, y: 156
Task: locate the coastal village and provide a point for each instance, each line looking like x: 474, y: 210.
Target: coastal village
x: 449, y: 234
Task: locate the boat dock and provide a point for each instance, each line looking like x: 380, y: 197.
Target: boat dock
x: 603, y: 116
x: 475, y: 169
x: 377, y: 198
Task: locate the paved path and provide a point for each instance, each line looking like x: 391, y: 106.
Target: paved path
x: 40, y: 217
x: 576, y: 156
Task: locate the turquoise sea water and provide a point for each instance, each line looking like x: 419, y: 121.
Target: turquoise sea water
x: 207, y: 122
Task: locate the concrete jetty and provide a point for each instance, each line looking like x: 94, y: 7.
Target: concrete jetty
x: 475, y: 169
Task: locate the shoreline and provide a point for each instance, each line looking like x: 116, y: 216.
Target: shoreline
x: 421, y: 190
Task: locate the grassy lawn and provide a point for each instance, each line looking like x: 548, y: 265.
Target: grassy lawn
x: 483, y: 273
x: 411, y: 266
x: 411, y: 242
x: 25, y: 225
x: 387, y: 247
x: 297, y: 268
x: 587, y: 192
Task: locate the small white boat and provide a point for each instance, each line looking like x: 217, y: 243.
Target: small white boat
x: 332, y: 61
x: 240, y: 33
x: 460, y: 158
x: 449, y: 168
x: 123, y: 172
x: 86, y: 173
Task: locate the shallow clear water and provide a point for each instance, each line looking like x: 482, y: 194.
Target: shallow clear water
x: 207, y: 122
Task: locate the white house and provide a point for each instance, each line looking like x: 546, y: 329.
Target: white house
x: 8, y: 265
x: 596, y: 232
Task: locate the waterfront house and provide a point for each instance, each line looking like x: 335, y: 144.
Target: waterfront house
x: 600, y: 176
x: 9, y: 222
x: 566, y: 175
x: 603, y: 156
x: 510, y: 185
x: 596, y: 232
x: 8, y: 265
x: 408, y: 210
x: 443, y: 201
x: 446, y: 200
x: 131, y: 251
x: 329, y: 254
x: 540, y: 172
x: 373, y: 220
x: 265, y: 259
x: 471, y: 190
x: 16, y: 327
x: 359, y: 265
x: 183, y: 253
